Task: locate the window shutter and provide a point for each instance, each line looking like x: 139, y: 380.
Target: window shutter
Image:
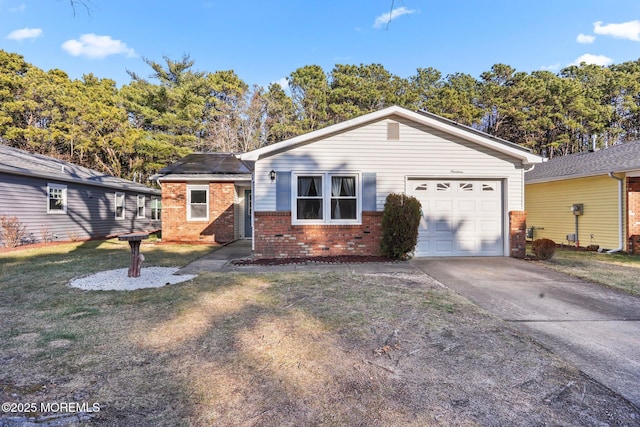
x: 369, y: 191
x: 283, y: 191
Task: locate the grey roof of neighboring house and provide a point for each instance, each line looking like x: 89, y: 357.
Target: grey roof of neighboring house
x: 20, y: 162
x: 616, y: 158
x: 208, y: 164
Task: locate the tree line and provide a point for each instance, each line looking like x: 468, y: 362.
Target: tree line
x: 135, y: 130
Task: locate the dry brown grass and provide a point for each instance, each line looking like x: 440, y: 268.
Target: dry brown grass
x: 322, y: 349
x: 620, y: 271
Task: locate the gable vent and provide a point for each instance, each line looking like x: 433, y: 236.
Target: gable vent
x: 393, y: 131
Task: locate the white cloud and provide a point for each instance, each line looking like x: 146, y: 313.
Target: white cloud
x: 20, y: 8
x: 283, y: 82
x: 386, y: 18
x: 627, y: 30
x: 585, y: 38
x: 593, y: 59
x: 552, y: 67
x: 94, y: 46
x: 25, y: 33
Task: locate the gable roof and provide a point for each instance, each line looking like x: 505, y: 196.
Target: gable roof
x: 422, y: 117
x: 20, y: 162
x: 617, y: 158
x: 220, y: 166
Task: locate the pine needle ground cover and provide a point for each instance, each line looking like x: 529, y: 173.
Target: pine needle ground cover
x: 274, y: 350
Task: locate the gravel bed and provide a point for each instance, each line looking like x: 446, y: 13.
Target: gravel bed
x: 117, y: 280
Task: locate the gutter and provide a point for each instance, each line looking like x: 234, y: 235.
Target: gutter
x: 620, y: 218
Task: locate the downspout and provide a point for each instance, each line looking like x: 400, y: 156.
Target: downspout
x: 620, y: 217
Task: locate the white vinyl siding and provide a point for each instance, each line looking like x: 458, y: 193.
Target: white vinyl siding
x: 197, y: 202
x: 420, y: 152
x: 56, y: 199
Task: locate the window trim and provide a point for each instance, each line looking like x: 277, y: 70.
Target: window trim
x: 202, y: 187
x: 144, y: 206
x: 156, y: 207
x: 124, y: 206
x: 326, y: 198
x: 62, y: 187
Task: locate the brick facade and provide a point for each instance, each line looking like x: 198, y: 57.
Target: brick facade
x: 276, y: 237
x: 220, y: 226
x: 633, y: 214
x: 517, y: 234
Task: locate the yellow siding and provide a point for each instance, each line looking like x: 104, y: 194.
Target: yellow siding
x: 548, y: 205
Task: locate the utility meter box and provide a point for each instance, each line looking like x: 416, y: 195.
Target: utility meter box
x: 577, y: 209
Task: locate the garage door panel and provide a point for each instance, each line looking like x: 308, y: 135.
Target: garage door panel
x: 442, y: 225
x: 490, y: 206
x: 460, y: 217
x: 444, y: 247
x: 442, y: 207
x: 467, y: 206
x: 468, y: 246
x: 490, y: 226
x: 467, y: 227
x: 494, y: 246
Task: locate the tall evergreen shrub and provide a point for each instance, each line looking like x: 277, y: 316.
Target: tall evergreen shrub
x: 400, y: 221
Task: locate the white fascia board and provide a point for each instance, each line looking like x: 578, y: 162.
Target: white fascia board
x: 524, y: 155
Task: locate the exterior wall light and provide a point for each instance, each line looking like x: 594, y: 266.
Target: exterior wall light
x: 272, y: 175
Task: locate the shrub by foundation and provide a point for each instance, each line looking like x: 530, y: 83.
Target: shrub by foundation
x: 12, y: 231
x: 544, y: 249
x: 400, y: 221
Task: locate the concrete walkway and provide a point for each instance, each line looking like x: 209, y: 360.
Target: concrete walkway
x: 595, y: 328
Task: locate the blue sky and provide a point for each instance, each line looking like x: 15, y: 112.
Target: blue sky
x: 264, y: 41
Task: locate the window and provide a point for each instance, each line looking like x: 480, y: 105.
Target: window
x: 443, y: 186
x: 57, y: 198
x: 326, y: 198
x: 465, y: 186
x: 156, y: 208
x: 343, y: 197
x: 197, y: 202
x: 119, y: 205
x: 141, y: 203
x: 309, y: 204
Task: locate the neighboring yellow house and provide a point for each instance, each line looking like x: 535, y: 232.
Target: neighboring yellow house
x: 587, y: 199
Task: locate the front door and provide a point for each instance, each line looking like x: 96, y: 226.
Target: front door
x: 248, y: 205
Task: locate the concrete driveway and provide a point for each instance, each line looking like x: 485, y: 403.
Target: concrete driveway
x: 595, y: 328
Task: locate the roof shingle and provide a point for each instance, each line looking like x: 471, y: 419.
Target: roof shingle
x: 208, y: 163
x: 617, y: 158
x: 16, y: 161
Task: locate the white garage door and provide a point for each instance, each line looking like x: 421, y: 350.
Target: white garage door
x: 460, y: 217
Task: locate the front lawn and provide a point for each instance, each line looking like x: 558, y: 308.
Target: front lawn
x: 619, y: 271
x: 299, y: 349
